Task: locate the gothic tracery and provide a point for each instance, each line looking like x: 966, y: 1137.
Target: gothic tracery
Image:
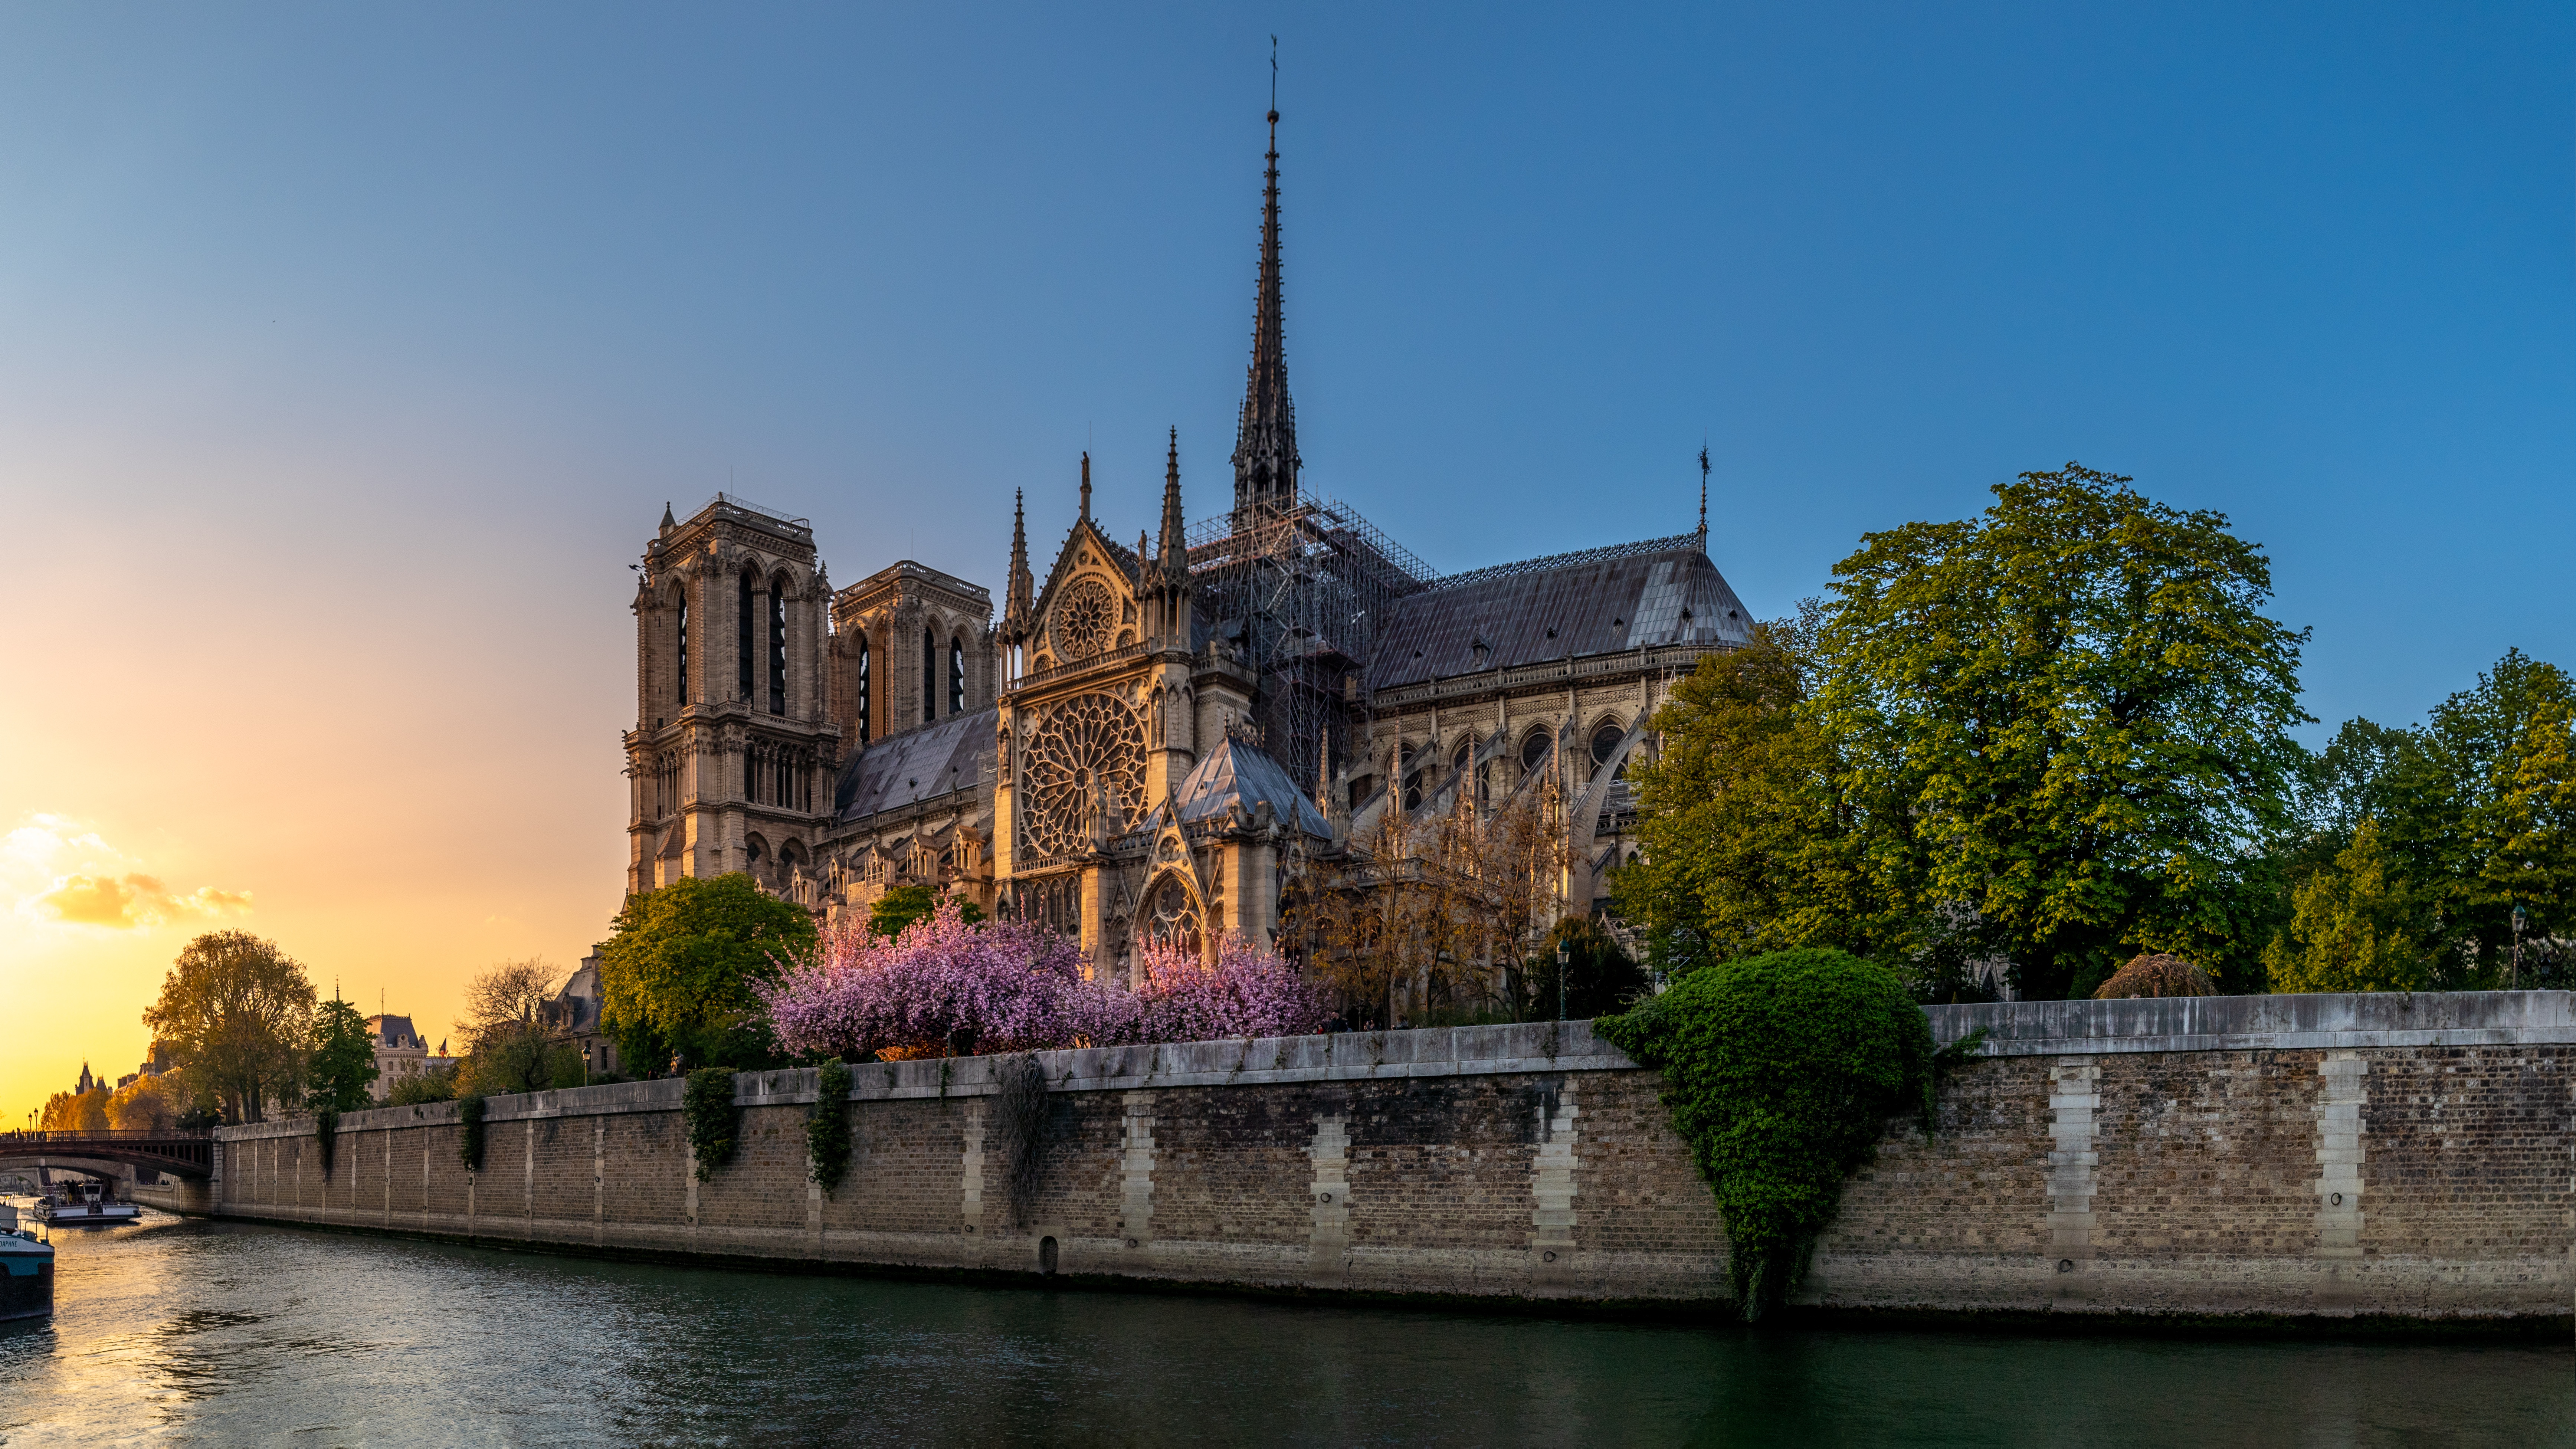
x: 1086, y: 755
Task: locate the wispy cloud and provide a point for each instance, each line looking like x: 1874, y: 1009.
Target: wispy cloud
x: 60, y: 870
x: 133, y: 900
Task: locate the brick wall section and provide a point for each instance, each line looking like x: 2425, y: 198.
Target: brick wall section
x: 1537, y: 1163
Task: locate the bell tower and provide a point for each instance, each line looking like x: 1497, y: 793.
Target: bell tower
x: 729, y: 765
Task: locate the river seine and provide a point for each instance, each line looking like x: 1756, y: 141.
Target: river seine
x: 217, y: 1333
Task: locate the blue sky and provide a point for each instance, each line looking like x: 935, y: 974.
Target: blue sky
x: 352, y: 351
x: 2310, y: 267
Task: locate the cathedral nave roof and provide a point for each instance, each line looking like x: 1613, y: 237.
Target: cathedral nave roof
x: 1601, y: 601
x: 920, y: 764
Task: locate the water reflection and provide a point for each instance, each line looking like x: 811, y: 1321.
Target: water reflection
x: 229, y: 1333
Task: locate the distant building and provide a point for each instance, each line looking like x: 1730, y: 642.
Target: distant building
x: 573, y: 1016
x: 401, y: 1053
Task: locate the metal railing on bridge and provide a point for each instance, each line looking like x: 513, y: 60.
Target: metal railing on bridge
x: 188, y: 1151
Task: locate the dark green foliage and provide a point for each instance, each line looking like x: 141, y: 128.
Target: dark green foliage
x: 469, y: 1113
x: 341, y: 1070
x: 1599, y: 976
x: 903, y: 905
x: 827, y: 1132
x: 433, y: 1084
x: 714, y: 1122
x: 1781, y: 1071
x: 675, y: 978
x: 326, y: 1136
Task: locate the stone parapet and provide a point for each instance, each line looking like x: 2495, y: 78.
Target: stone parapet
x: 2319, y: 1157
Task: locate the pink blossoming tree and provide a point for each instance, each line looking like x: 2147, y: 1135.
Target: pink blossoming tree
x: 1014, y: 986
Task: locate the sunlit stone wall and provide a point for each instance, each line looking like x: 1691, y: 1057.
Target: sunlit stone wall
x: 2286, y: 1155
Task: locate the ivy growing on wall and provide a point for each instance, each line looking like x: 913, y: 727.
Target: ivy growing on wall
x: 1781, y: 1072
x: 827, y: 1132
x: 713, y: 1120
x: 469, y: 1111
x: 326, y: 1134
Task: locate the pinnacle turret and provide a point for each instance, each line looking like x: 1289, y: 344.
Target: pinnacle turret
x: 1175, y: 549
x: 1265, y: 448
x: 1016, y: 601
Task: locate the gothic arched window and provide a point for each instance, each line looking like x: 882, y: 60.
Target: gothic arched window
x: 929, y: 676
x: 863, y: 686
x: 680, y: 679
x: 956, y: 677
x: 1605, y: 743
x: 742, y: 638
x: 778, y: 645
x: 750, y: 774
x: 1533, y: 751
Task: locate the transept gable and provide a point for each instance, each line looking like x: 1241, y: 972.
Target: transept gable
x: 1091, y: 603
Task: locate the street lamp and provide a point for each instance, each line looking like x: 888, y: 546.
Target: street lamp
x: 1560, y: 981
x: 2519, y: 921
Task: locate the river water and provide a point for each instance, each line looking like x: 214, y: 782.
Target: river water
x: 221, y: 1333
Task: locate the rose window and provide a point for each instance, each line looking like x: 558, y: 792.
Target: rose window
x: 1086, y: 755
x: 1082, y: 619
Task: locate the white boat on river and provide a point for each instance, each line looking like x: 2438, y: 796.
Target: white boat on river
x: 82, y: 1205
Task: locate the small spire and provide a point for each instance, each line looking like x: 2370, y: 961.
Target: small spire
x: 1176, y: 548
x: 667, y: 520
x: 1265, y: 446
x: 1703, y: 490
x: 1015, y: 604
x: 1086, y: 485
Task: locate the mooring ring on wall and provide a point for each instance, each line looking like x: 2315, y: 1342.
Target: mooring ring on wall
x: 1548, y: 1258
x: 2337, y: 1200
x: 2066, y: 1265
x: 1324, y: 1197
x: 1131, y: 1242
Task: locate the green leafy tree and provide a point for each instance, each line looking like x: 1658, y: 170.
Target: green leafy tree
x: 237, y: 1012
x: 902, y: 905
x: 2071, y: 716
x: 1749, y: 841
x: 340, y: 1071
x: 675, y: 977
x: 1781, y: 1071
x: 2353, y: 927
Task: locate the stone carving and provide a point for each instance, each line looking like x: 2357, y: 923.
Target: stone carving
x: 1085, y: 763
x: 1082, y: 619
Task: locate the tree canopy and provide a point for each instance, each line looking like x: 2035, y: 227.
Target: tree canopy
x: 237, y: 1012
x: 676, y: 976
x: 340, y: 1073
x: 2056, y: 733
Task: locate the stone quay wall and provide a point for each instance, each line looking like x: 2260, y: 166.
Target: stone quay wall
x: 2327, y: 1156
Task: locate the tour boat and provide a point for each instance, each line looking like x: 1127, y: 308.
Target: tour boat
x: 26, y: 1270
x: 85, y: 1205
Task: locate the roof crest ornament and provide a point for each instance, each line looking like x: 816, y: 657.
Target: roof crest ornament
x: 1086, y: 485
x: 1703, y: 489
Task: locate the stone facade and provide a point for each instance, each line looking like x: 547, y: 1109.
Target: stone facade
x: 1152, y: 739
x: 2383, y: 1156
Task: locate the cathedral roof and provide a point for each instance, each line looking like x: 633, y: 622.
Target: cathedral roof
x: 1236, y: 774
x: 1601, y: 601
x: 937, y: 759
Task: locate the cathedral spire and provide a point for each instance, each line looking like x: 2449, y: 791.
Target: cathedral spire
x: 1265, y: 448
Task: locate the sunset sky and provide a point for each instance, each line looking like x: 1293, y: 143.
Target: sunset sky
x: 352, y: 352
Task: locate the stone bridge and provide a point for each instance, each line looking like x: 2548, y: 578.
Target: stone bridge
x: 168, y: 1170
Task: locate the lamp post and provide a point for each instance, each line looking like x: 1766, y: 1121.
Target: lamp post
x: 1560, y: 981
x: 2519, y: 921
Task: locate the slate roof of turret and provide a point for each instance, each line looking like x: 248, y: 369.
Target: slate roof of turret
x: 1233, y: 774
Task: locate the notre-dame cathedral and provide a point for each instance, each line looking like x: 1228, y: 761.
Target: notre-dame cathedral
x: 1155, y: 735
